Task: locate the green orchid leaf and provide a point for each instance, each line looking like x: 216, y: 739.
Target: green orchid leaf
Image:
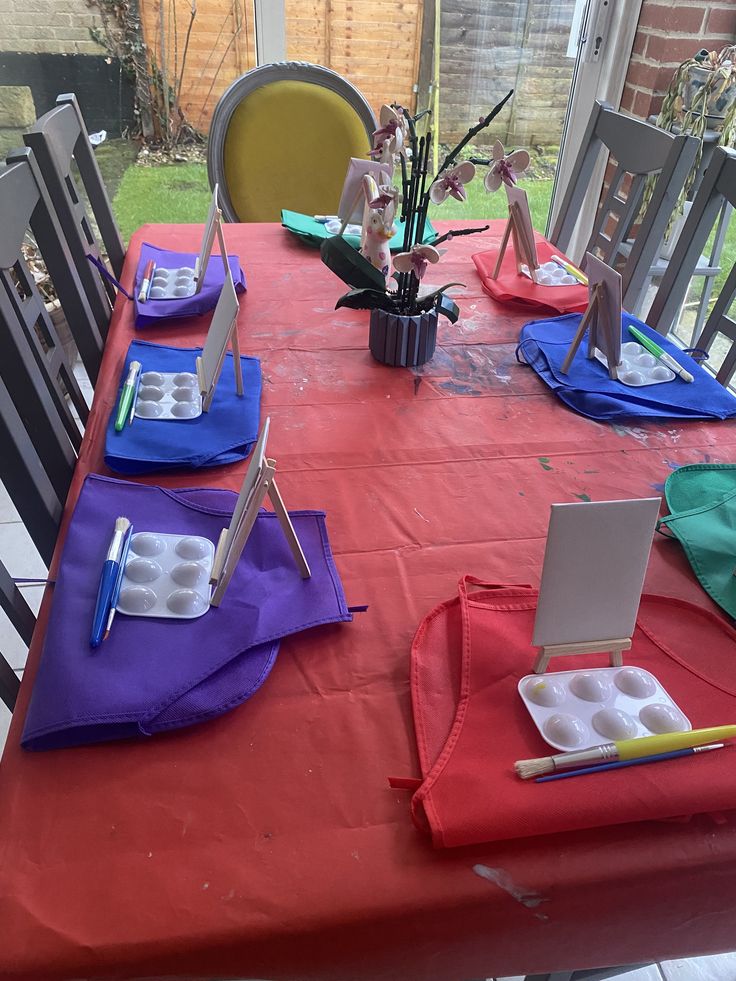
x: 349, y: 265
x: 428, y: 302
x: 447, y: 308
x: 367, y: 299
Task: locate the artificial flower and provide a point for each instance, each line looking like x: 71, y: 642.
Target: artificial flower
x: 453, y: 183
x: 393, y: 126
x: 505, y: 169
x: 416, y: 260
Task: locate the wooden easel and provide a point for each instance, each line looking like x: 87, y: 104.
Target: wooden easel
x: 258, y: 484
x: 519, y: 230
x: 602, y: 316
x: 614, y: 648
x: 222, y: 333
x: 212, y: 228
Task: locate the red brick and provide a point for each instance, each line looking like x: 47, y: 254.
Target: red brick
x: 640, y: 43
x: 681, y: 19
x: 646, y: 76
x: 627, y: 99
x: 642, y: 105
x: 722, y: 21
x: 672, y: 51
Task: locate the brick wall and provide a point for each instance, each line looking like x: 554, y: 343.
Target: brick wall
x: 670, y: 31
x: 51, y: 26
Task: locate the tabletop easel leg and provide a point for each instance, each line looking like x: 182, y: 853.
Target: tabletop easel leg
x: 580, y: 333
x: 237, y: 364
x: 285, y: 521
x: 502, y: 249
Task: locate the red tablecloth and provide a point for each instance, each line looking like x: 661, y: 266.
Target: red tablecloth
x: 267, y: 843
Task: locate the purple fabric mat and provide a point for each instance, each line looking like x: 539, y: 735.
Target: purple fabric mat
x: 153, y: 311
x: 158, y: 674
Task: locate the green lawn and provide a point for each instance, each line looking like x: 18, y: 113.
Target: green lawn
x: 170, y: 193
x: 180, y: 193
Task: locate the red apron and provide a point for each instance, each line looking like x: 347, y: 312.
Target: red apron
x: 511, y: 287
x: 471, y: 724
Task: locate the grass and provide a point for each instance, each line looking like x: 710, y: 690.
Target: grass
x: 179, y: 193
x: 167, y: 194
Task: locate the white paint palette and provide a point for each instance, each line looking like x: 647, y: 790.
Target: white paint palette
x: 166, y: 396
x: 550, y: 274
x: 580, y: 709
x: 173, y: 284
x: 167, y: 576
x: 638, y: 367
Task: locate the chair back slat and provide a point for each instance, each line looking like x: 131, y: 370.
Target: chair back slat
x: 95, y: 189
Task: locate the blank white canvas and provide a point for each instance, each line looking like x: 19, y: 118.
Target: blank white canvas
x: 208, y: 238
x: 218, y: 335
x: 248, y: 486
x: 594, y: 566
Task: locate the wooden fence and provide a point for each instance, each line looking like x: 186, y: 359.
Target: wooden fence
x: 385, y: 47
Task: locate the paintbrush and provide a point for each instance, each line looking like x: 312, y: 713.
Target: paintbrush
x: 622, y: 764
x: 623, y: 749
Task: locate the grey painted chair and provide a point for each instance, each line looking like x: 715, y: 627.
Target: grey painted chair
x: 638, y: 149
x: 281, y: 137
x: 59, y: 139
x: 717, y: 187
x: 25, y: 204
x: 39, y: 433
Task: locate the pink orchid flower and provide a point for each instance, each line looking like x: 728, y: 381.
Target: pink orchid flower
x: 386, y: 195
x: 452, y: 183
x: 393, y: 126
x: 416, y: 260
x: 505, y: 169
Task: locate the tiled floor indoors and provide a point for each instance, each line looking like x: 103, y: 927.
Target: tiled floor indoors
x: 23, y: 561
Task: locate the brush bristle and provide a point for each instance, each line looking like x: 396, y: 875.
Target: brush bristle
x: 528, y: 769
x: 122, y: 524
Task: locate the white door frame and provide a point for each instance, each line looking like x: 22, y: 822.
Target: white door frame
x: 270, y: 21
x: 606, y: 40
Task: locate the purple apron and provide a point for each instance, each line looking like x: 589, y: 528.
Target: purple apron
x: 152, y: 675
x: 150, y: 312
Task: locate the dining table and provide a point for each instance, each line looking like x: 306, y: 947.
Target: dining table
x: 268, y: 843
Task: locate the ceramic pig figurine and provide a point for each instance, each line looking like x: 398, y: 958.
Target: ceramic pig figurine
x: 378, y: 223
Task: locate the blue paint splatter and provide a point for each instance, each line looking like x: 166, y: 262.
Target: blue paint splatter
x: 658, y: 487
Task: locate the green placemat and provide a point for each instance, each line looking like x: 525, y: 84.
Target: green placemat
x: 313, y: 232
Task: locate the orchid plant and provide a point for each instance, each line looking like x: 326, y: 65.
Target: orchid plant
x: 395, y: 141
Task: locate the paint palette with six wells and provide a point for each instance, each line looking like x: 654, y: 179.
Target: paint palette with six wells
x: 580, y: 709
x: 173, y: 284
x: 167, y: 576
x: 168, y: 395
x: 550, y: 274
x: 638, y: 367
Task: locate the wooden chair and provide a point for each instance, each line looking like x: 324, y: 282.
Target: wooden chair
x: 25, y: 206
x: 639, y: 150
x: 39, y: 433
x: 717, y: 187
x: 282, y: 136
x: 59, y: 139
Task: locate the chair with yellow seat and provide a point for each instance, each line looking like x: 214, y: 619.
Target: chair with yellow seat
x: 282, y: 136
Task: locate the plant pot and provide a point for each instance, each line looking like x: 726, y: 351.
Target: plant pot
x: 718, y: 97
x: 58, y: 319
x: 402, y: 340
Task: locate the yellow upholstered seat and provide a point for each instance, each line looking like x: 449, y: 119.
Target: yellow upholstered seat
x: 286, y: 143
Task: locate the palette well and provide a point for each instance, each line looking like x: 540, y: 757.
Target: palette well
x: 638, y: 367
x: 579, y: 709
x: 167, y: 576
x: 168, y: 395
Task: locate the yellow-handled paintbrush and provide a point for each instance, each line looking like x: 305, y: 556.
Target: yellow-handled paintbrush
x: 624, y: 749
